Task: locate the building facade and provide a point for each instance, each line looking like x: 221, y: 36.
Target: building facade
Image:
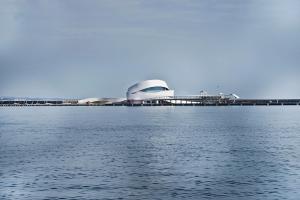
x: 149, y: 89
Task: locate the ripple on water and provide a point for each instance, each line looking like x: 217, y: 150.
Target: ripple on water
x: 150, y: 153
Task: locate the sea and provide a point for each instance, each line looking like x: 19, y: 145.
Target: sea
x: 91, y: 153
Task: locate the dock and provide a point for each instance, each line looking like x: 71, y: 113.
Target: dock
x: 174, y: 101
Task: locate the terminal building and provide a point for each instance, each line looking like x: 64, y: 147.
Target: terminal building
x: 157, y: 92
x: 149, y: 89
x: 144, y: 90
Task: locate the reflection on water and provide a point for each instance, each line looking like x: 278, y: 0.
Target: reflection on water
x: 150, y: 153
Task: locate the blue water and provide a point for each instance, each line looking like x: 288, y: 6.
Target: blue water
x: 149, y: 153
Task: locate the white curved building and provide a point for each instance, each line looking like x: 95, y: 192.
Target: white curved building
x: 149, y: 89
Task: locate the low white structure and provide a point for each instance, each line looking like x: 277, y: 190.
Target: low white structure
x: 149, y: 89
x: 88, y: 100
x: 232, y: 96
x: 101, y: 100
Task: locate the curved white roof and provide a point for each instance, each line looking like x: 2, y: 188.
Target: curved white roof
x: 136, y: 92
x: 146, y: 84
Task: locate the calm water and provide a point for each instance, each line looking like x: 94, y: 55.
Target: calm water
x: 150, y: 153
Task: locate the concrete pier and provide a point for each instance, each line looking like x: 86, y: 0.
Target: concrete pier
x: 176, y: 101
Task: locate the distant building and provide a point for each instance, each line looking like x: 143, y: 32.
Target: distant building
x: 101, y: 101
x: 149, y: 89
x: 156, y: 91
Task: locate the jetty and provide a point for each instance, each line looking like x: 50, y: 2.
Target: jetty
x: 174, y: 101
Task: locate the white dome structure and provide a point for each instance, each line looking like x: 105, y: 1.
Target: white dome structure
x: 149, y: 89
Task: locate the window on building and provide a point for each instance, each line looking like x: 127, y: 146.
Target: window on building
x: 154, y: 89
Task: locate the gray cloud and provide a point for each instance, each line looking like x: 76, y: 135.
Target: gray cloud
x: 99, y: 48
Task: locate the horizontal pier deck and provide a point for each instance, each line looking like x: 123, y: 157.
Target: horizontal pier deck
x: 178, y: 101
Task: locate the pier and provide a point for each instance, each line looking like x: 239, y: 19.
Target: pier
x: 175, y: 101
x: 215, y: 101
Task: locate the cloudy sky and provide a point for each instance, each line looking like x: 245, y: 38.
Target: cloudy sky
x: 98, y: 48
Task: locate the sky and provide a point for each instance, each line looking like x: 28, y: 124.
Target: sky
x: 98, y: 48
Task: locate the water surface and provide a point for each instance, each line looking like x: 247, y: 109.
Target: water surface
x: 149, y: 153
